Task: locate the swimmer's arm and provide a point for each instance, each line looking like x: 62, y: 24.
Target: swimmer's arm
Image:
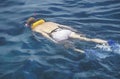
x: 47, y: 36
x: 44, y: 34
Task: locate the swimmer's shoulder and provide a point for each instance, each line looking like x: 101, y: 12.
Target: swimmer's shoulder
x: 51, y: 23
x: 47, y: 27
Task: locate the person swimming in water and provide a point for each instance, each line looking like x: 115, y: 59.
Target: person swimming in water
x: 57, y: 32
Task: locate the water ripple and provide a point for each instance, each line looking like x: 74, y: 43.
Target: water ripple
x: 24, y: 57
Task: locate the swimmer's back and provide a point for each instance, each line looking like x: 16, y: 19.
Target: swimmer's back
x: 47, y: 27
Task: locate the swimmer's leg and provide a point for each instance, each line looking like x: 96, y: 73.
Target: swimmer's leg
x: 79, y: 50
x: 78, y: 36
x: 70, y: 45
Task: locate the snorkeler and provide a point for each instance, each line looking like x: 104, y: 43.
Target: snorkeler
x: 57, y: 32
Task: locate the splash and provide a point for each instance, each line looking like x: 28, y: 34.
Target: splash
x: 111, y: 47
x: 104, y: 47
x: 102, y: 51
x: 94, y: 54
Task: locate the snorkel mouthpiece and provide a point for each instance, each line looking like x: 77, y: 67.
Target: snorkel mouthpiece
x: 39, y: 22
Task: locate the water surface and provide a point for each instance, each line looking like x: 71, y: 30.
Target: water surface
x: 23, y: 57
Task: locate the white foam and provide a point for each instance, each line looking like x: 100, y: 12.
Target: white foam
x: 114, y: 48
x: 104, y: 47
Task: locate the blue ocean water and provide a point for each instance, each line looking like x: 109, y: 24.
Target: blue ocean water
x: 23, y: 57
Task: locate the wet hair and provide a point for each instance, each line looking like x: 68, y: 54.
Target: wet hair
x: 30, y: 21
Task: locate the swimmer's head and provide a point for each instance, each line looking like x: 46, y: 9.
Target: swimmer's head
x: 30, y: 21
x: 33, y: 22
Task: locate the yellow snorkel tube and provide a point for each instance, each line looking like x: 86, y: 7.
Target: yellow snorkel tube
x: 39, y: 22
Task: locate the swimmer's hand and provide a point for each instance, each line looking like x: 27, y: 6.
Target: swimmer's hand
x: 100, y: 41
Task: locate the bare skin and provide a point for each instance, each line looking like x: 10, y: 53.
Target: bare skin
x: 48, y: 27
x: 45, y: 29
